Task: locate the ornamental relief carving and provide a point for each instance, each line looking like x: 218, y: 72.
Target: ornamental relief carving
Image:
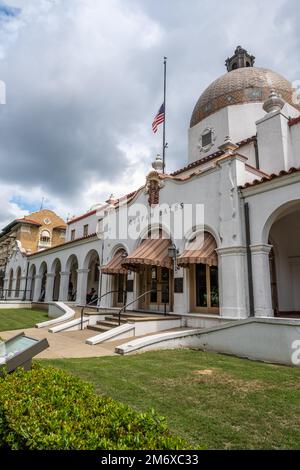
x: 153, y: 187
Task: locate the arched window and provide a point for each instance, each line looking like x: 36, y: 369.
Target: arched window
x: 45, y: 238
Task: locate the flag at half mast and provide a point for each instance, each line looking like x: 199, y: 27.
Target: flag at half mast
x: 159, y: 118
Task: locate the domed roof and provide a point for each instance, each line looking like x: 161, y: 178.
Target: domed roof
x: 243, y: 85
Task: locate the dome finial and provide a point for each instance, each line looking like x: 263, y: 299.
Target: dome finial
x: 240, y: 59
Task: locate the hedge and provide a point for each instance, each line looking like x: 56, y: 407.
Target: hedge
x: 48, y: 409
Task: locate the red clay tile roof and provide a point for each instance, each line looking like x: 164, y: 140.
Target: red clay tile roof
x: 271, y: 177
x: 29, y: 221
x: 293, y: 121
x: 115, y: 202
x: 212, y: 156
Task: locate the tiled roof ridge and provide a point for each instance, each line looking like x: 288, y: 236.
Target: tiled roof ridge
x: 293, y: 121
x: 207, y: 158
x: 27, y: 219
x: 271, y: 177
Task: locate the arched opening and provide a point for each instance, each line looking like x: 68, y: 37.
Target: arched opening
x: 43, y: 274
x: 72, y: 267
x: 56, y: 269
x: 92, y: 261
x: 45, y: 239
x: 32, y: 274
x: 10, y: 282
x: 18, y: 282
x: 201, y: 260
x: 284, y: 236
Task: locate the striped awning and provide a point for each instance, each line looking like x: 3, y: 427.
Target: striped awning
x: 115, y: 264
x: 151, y: 252
x: 200, y: 250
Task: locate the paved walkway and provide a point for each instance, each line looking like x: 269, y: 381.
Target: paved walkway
x: 71, y: 344
x: 67, y: 344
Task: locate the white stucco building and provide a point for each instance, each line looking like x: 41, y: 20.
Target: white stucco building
x: 243, y: 168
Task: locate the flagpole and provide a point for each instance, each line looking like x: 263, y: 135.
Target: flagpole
x: 164, y: 123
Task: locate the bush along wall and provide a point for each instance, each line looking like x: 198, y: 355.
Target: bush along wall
x: 47, y: 409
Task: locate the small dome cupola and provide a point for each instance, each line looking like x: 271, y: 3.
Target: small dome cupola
x: 239, y: 60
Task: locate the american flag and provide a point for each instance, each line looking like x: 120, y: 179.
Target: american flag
x: 159, y: 118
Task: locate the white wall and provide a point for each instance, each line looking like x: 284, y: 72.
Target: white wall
x: 237, y: 121
x: 78, y: 225
x: 294, y: 132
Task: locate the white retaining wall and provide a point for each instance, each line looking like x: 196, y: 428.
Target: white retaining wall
x: 263, y: 339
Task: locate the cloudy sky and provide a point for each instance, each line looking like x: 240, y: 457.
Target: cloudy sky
x: 84, y: 81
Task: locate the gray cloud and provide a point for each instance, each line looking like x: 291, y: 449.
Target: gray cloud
x: 85, y: 77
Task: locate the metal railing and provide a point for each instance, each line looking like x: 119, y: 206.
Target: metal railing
x: 122, y: 310
x: 98, y: 300
x: 14, y: 294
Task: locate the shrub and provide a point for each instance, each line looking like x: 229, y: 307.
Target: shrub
x: 46, y: 409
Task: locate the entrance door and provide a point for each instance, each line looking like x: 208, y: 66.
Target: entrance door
x: 204, y: 288
x: 158, y: 280
x: 119, y: 288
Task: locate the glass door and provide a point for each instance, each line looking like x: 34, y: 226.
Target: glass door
x: 158, y: 282
x: 119, y: 287
x: 204, y: 288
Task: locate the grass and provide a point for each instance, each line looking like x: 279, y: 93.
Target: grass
x: 15, y: 319
x: 217, y: 401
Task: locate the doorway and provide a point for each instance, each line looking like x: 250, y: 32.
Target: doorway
x: 158, y: 280
x: 119, y: 287
x: 204, y: 292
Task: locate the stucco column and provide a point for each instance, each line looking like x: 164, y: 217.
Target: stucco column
x: 29, y: 284
x: 5, y: 287
x: 64, y: 286
x: 5, y: 283
x: 13, y: 288
x: 181, y: 300
x: 49, y: 287
x: 107, y: 282
x: 82, y: 279
x: 22, y: 288
x: 261, y: 280
x: 37, y: 287
x: 233, y: 289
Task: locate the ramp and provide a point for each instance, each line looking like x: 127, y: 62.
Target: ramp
x: 263, y: 339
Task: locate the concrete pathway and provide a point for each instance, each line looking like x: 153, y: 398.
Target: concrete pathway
x: 66, y: 344
x: 71, y: 344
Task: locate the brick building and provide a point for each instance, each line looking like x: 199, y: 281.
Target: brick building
x: 32, y: 233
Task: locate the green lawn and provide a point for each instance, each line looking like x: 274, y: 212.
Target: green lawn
x: 210, y: 399
x: 15, y: 319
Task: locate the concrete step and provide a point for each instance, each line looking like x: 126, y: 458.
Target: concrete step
x: 99, y: 329
x: 111, y: 324
x: 114, y: 320
x: 126, y: 316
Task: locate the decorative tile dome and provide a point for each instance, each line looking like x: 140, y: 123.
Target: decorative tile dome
x: 243, y: 85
